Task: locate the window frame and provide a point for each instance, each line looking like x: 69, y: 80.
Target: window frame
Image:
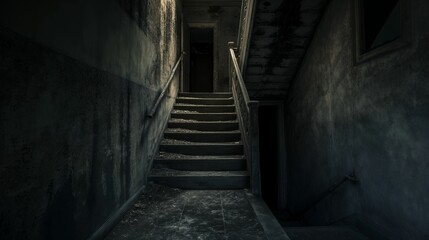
x: 359, y: 34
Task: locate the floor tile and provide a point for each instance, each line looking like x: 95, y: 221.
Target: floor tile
x: 168, y: 213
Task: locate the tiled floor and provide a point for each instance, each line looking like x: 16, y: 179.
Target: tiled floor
x: 166, y: 213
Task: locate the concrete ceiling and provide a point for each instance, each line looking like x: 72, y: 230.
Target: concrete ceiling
x: 281, y: 34
x: 203, y: 3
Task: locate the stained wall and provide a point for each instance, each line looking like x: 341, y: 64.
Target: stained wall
x: 368, y: 118
x: 77, y: 81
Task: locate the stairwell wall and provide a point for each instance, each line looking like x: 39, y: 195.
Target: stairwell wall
x: 369, y: 118
x: 78, y: 78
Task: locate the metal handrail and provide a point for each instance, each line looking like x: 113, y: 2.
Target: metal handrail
x: 239, y: 75
x: 164, y: 90
x: 348, y: 178
x: 248, y: 118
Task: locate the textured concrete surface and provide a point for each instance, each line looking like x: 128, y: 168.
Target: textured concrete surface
x: 272, y: 228
x: 371, y: 118
x: 168, y: 213
x: 282, y: 31
x: 77, y: 79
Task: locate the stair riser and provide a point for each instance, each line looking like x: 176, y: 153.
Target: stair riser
x: 205, y: 117
x: 205, y: 101
x: 206, y: 95
x: 207, y: 109
x: 202, y: 150
x: 202, y: 165
x: 203, y: 182
x: 205, y: 126
x: 204, y: 137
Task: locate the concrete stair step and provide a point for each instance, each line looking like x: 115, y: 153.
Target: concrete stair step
x: 205, y: 116
x: 205, y: 126
x: 208, y: 137
x: 202, y: 146
x: 207, y: 180
x: 202, y: 164
x: 205, y: 101
x: 203, y: 149
x: 206, y: 95
x: 206, y: 108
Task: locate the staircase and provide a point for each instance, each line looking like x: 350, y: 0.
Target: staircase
x: 202, y: 146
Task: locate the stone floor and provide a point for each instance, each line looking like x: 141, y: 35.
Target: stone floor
x: 167, y: 213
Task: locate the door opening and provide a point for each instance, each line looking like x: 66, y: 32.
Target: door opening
x: 201, y: 59
x: 268, y: 149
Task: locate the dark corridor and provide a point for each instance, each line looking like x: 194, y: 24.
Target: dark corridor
x: 268, y: 145
x: 201, y: 60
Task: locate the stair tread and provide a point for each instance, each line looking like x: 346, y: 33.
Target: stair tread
x: 203, y: 149
x: 187, y: 142
x: 184, y: 130
x: 179, y: 111
x: 204, y: 108
x: 205, y: 99
x: 196, y: 132
x: 205, y: 93
x: 166, y: 172
x: 178, y: 120
x: 199, y: 113
x: 200, y: 159
x: 203, y: 105
x: 212, y: 117
x: 168, y: 155
x: 204, y: 144
x: 205, y: 125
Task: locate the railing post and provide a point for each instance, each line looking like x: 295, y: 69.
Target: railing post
x: 255, y: 174
x: 230, y: 46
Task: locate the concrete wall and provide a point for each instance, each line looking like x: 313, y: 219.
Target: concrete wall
x: 227, y: 20
x: 77, y: 80
x: 371, y: 118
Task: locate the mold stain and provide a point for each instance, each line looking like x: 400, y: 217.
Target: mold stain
x: 288, y: 19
